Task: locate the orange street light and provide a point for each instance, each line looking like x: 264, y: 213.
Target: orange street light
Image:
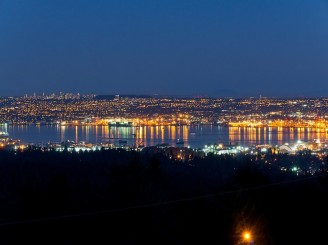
x: 248, y: 237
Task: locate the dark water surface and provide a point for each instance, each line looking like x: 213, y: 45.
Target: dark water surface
x: 193, y: 136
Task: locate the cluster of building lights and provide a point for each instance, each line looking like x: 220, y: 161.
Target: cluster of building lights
x: 76, y: 109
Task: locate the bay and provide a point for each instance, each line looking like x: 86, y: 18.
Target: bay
x: 193, y: 136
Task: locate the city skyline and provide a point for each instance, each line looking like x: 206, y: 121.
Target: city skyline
x: 187, y: 48
x: 77, y: 94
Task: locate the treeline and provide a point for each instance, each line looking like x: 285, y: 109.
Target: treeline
x: 126, y: 197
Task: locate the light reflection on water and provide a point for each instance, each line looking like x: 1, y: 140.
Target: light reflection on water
x: 195, y: 136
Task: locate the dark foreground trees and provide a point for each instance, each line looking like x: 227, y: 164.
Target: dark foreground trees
x: 120, y: 197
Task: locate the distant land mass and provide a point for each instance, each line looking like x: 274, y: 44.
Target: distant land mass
x: 112, y: 96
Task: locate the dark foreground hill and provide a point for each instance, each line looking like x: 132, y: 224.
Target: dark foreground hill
x: 119, y: 197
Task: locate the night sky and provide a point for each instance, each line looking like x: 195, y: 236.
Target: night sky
x: 236, y: 48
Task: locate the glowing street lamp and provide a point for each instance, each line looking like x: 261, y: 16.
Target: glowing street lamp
x: 248, y: 237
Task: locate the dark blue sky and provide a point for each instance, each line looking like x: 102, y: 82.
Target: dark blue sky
x: 168, y: 47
